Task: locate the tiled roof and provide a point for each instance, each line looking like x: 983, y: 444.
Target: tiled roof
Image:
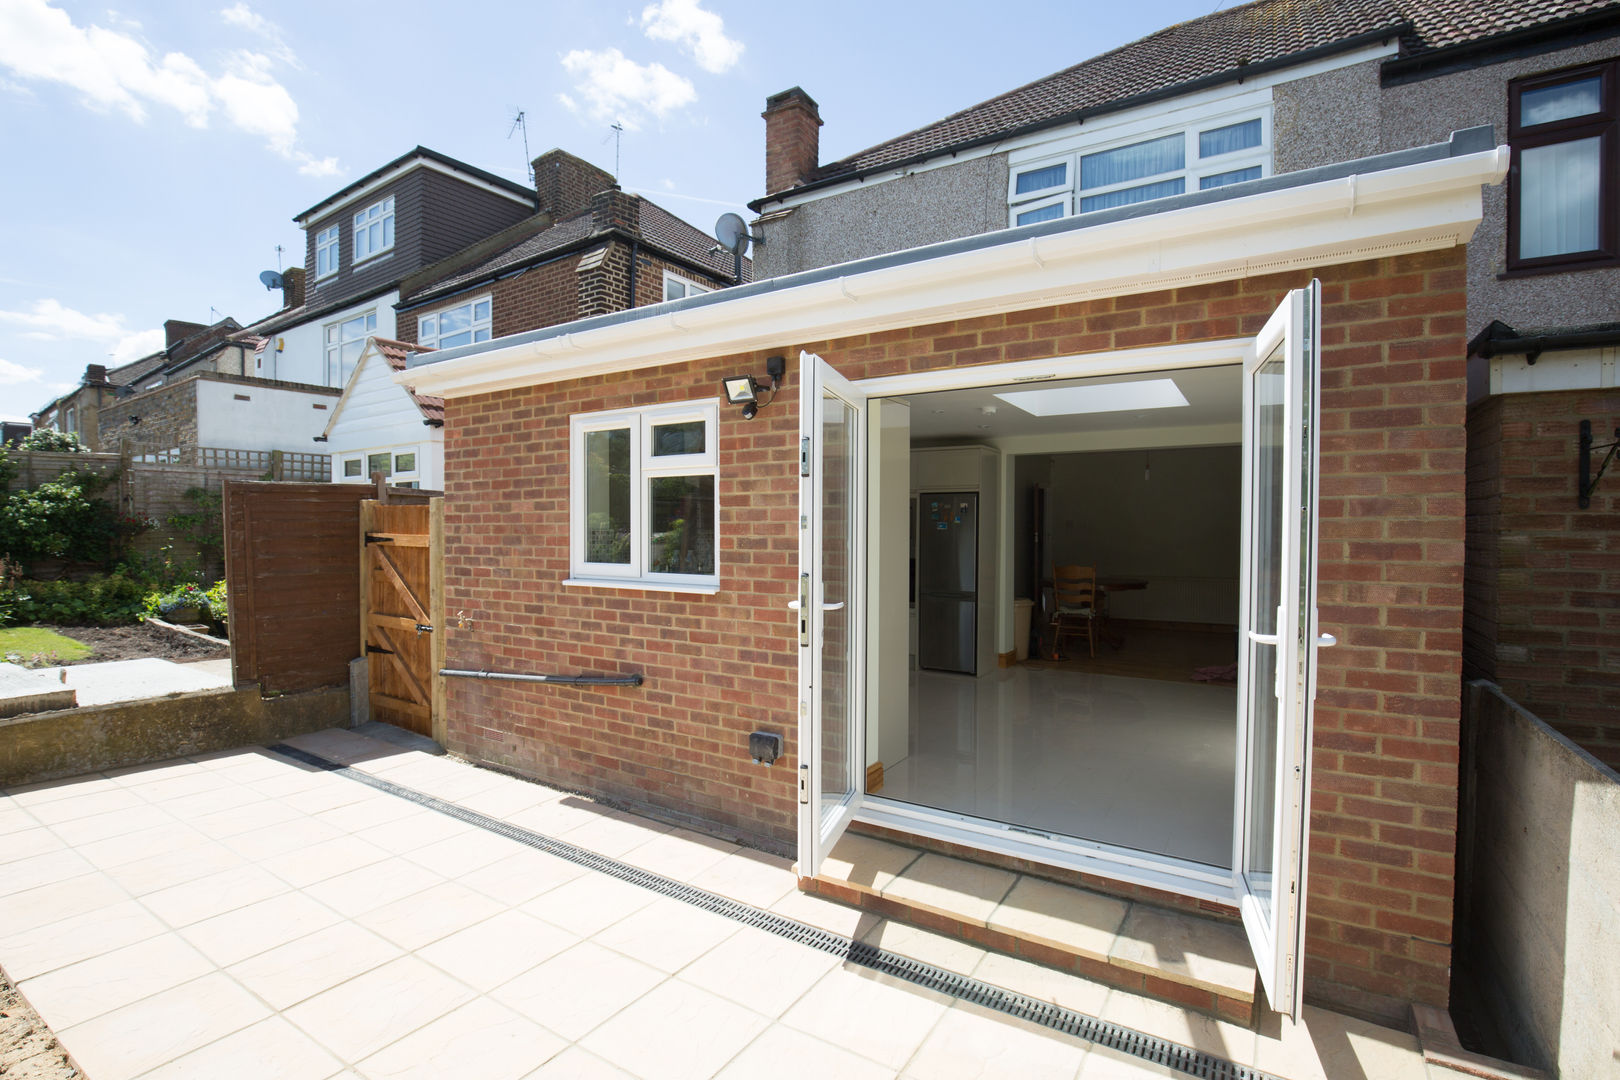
x: 659, y: 228
x: 396, y: 353
x: 1255, y: 33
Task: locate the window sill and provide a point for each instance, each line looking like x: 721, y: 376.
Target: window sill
x: 1574, y: 266
x: 638, y: 585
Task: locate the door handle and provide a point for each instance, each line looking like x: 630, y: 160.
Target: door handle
x: 839, y: 606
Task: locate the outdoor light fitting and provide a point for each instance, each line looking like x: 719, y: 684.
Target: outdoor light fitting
x: 744, y: 389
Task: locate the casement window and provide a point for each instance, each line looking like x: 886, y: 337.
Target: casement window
x: 1150, y: 165
x: 345, y: 341
x: 70, y: 420
x: 374, y: 229
x: 398, y: 463
x: 353, y: 469
x: 460, y: 325
x: 1565, y: 179
x: 676, y: 287
x: 642, y: 499
x: 326, y: 252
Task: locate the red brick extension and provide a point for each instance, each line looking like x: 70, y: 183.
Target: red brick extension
x: 1391, y: 575
x: 1543, y: 613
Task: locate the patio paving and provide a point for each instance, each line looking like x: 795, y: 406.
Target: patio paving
x: 244, y: 915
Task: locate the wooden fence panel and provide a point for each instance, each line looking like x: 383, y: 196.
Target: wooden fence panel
x: 293, y: 580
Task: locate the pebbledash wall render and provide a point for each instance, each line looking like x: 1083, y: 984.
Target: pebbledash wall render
x: 1382, y: 829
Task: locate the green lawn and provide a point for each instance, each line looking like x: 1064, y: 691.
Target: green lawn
x: 33, y: 644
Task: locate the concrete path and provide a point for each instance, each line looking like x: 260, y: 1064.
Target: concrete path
x: 243, y: 916
x: 135, y: 680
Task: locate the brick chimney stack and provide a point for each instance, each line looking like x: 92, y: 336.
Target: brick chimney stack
x: 96, y: 375
x: 792, y: 139
x: 177, y: 330
x: 566, y: 183
x: 292, y: 287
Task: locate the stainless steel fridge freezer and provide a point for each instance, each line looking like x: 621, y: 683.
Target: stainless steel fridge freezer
x: 948, y: 581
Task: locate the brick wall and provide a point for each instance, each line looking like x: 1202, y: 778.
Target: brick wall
x: 1543, y: 605
x: 168, y: 418
x: 1391, y: 564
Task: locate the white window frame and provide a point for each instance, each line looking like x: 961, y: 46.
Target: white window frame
x: 644, y: 468
x: 1193, y: 171
x: 334, y: 365
x: 326, y: 243
x: 343, y: 476
x: 427, y: 326
x: 688, y: 286
x: 381, y: 214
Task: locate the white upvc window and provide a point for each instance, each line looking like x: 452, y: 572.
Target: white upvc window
x: 345, y: 340
x: 400, y: 464
x: 374, y: 229
x: 460, y: 325
x: 643, y: 505
x: 1143, y: 165
x: 326, y: 252
x: 676, y: 287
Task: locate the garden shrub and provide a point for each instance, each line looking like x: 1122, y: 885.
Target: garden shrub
x: 53, y: 441
x: 102, y: 600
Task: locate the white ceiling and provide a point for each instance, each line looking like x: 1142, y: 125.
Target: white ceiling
x: 1214, y: 396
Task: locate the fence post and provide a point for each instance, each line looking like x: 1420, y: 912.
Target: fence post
x: 276, y: 465
x: 380, y: 478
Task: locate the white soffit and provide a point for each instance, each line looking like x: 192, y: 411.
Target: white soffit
x: 1420, y: 207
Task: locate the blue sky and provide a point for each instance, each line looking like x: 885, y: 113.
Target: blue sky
x: 156, y: 152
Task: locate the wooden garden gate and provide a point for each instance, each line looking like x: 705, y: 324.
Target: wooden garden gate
x: 401, y: 611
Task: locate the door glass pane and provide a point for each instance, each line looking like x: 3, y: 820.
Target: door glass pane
x: 1561, y: 102
x: 607, y: 496
x: 674, y: 440
x: 681, y: 537
x: 1266, y: 533
x: 837, y: 557
x: 1559, y: 190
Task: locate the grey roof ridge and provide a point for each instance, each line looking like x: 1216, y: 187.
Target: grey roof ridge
x: 1465, y: 141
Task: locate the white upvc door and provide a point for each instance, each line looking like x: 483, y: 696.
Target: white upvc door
x: 832, y: 576
x: 1277, y: 658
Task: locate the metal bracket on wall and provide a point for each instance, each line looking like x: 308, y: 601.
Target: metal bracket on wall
x: 1589, y: 482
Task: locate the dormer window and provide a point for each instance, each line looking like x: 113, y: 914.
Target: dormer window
x: 374, y: 229
x: 326, y: 252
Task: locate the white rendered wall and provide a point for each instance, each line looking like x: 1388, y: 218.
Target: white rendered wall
x: 272, y: 418
x: 302, y: 354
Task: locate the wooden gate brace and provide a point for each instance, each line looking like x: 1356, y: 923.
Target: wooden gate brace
x: 633, y: 679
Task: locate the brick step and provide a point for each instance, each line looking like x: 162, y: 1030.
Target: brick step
x: 1189, y: 960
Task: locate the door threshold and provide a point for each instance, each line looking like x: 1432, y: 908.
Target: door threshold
x: 1199, y: 961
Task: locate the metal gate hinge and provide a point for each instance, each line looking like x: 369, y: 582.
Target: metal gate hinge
x: 375, y: 538
x: 379, y: 649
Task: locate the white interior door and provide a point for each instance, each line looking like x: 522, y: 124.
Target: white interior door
x: 1277, y: 658
x: 832, y: 563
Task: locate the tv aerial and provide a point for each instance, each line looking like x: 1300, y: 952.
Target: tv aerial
x: 272, y: 280
x: 732, y: 233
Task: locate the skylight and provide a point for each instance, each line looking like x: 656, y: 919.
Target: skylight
x: 1098, y: 398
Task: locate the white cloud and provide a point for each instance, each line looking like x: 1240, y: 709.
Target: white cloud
x: 614, y: 87
x: 240, y: 15
x: 11, y: 374
x: 701, y: 33
x: 50, y: 320
x: 115, y: 71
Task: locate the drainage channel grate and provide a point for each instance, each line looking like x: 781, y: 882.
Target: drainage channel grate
x: 1151, y: 1048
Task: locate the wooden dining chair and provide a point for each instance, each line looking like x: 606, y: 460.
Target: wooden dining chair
x: 1074, y: 589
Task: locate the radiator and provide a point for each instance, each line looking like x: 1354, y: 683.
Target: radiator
x: 1179, y: 599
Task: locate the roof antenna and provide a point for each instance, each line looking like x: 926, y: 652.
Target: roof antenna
x: 278, y: 258
x: 521, y: 124
x: 618, y: 132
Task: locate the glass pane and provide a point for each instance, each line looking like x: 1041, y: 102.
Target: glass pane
x: 1266, y: 530
x: 379, y: 463
x: 1224, y: 140
x: 371, y: 321
x: 1041, y: 179
x: 450, y: 341
x: 481, y: 311
x: 607, y: 496
x: 1559, y: 191
x: 673, y: 289
x: 1126, y: 196
x: 404, y: 462
x: 683, y: 438
x: 1133, y: 162
x: 681, y: 533
x: 839, y: 759
x: 1549, y: 103
x: 1235, y: 176
x: 481, y: 335
x: 351, y: 467
x: 427, y: 329
x: 388, y: 231
x: 1045, y: 213
x: 455, y: 319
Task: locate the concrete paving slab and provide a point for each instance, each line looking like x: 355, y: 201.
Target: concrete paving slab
x: 135, y: 680
x: 29, y: 690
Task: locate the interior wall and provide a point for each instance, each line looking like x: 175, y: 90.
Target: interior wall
x: 1028, y: 471
x: 1170, y: 516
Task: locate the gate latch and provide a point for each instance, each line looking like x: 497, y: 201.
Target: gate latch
x: 423, y: 628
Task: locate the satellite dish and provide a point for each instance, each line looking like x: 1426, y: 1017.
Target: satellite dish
x: 732, y: 232
x: 272, y: 280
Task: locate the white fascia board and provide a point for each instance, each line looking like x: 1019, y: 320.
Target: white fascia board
x: 1253, y: 92
x: 1435, y: 204
x: 303, y: 221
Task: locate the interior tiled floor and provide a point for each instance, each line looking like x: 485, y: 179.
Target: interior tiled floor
x: 1138, y: 763
x: 241, y: 916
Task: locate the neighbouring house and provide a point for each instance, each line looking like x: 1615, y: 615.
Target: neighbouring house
x: 188, y: 348
x: 361, y: 242
x: 215, y: 411
x: 380, y: 426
